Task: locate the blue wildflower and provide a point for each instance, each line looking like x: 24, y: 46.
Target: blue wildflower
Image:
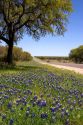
x: 44, y: 115
x: 11, y: 122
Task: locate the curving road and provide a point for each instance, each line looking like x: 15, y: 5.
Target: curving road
x: 78, y: 68
x: 69, y: 64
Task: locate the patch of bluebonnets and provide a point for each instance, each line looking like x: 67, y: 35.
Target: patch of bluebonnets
x: 39, y: 94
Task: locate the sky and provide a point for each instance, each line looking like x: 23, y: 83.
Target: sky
x: 58, y: 45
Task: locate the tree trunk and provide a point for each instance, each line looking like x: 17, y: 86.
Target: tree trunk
x: 10, y: 53
x: 10, y: 44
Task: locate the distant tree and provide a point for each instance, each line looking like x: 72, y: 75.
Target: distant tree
x: 77, y: 54
x: 34, y: 17
x: 2, y: 53
x: 18, y: 54
x: 26, y: 56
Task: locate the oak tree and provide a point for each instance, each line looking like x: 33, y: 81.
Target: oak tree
x: 33, y: 17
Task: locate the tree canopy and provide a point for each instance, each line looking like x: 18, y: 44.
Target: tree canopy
x: 77, y: 54
x: 33, y: 17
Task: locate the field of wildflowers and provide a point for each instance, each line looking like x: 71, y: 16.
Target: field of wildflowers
x: 36, y: 95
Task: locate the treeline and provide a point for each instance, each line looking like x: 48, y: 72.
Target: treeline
x: 53, y: 58
x: 75, y: 55
x: 18, y: 54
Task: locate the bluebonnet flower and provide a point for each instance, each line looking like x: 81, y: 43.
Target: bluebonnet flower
x: 28, y: 108
x: 53, y: 109
x: 62, y: 114
x: 3, y: 116
x: 80, y: 102
x: 44, y: 115
x: 6, y: 96
x: 33, y: 115
x: 35, y: 97
x: 82, y: 95
x: 69, y: 101
x: 9, y: 105
x: 67, y: 122
x: 11, y: 121
x: 29, y: 92
x: 41, y: 102
x: 74, y: 102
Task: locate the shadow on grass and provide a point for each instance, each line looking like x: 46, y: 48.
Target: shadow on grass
x: 27, y: 67
x: 18, y: 68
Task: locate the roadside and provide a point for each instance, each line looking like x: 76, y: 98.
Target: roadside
x: 68, y: 67
x: 75, y: 65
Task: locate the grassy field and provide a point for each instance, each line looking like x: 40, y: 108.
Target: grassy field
x: 34, y: 94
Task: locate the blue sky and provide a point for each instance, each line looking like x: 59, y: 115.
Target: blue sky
x: 59, y: 45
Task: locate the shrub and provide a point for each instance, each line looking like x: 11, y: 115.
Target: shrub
x: 18, y: 54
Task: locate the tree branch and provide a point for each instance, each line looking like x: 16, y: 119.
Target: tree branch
x: 27, y: 21
x: 4, y: 39
x: 20, y: 16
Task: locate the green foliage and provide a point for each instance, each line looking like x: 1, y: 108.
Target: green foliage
x: 35, y: 17
x: 77, y: 54
x: 18, y: 54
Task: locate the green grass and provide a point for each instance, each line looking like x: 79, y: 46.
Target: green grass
x: 60, y: 90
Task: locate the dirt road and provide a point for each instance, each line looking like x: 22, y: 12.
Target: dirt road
x: 78, y: 68
x: 68, y: 64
